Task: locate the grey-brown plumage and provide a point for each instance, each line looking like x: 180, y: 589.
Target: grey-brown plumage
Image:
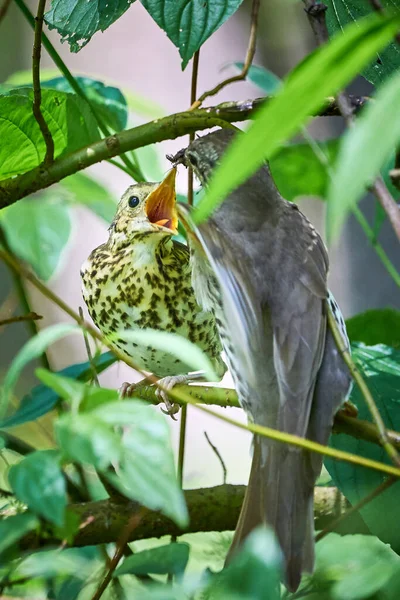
x: 265, y: 280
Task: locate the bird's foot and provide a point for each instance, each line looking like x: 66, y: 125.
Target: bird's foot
x: 127, y: 389
x: 349, y: 409
x: 162, y: 394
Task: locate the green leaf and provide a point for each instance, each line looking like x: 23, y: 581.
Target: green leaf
x: 353, y: 567
x: 169, y: 559
x: 82, y: 189
x: 32, y: 349
x: 189, y: 23
x: 146, y: 470
x: 86, y: 439
x: 263, y: 78
x: 380, y: 366
x: 77, y: 562
x: 342, y: 12
x: 172, y: 343
x: 75, y: 392
x: 108, y: 101
x: 377, y: 326
x: 37, y: 230
x: 363, y: 152
x: 69, y: 118
x: 298, y: 171
x: 253, y: 572
x: 78, y: 20
x: 304, y: 92
x: 38, y: 482
x: 42, y: 399
x: 14, y: 528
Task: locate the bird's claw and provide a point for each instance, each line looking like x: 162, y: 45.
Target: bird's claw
x: 127, y: 389
x: 168, y: 383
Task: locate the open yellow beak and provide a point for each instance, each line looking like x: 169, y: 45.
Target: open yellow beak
x: 161, y: 204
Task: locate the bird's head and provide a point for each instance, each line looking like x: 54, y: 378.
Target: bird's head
x: 147, y: 208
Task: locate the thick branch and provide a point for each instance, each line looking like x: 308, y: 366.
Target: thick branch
x: 159, y: 130
x: 210, y: 509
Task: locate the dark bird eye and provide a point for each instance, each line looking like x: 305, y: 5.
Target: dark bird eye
x: 133, y: 201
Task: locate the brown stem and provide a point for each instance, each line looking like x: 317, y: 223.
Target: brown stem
x: 4, y: 8
x: 127, y: 531
x: 388, y: 204
x: 31, y: 316
x: 95, y: 379
x: 218, y: 455
x: 193, y: 94
x: 251, y: 50
x: 37, y: 92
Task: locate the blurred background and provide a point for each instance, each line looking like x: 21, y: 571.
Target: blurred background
x: 136, y: 56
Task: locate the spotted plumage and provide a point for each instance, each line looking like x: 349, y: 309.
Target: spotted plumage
x: 141, y: 278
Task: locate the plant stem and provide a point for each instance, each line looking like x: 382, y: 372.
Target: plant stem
x: 369, y: 232
x: 4, y: 8
x: 133, y: 170
x: 31, y: 316
x: 279, y: 436
x: 37, y: 92
x: 248, y: 60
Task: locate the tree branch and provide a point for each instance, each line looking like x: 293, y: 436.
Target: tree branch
x: 251, y: 50
x: 37, y: 92
x: 210, y: 509
x: 168, y: 128
x: 31, y: 316
x: 4, y: 8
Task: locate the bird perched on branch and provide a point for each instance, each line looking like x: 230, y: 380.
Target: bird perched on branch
x: 141, y: 278
x: 261, y: 267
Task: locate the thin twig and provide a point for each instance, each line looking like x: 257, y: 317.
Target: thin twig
x: 356, y: 375
x: 119, y: 552
x: 95, y: 379
x: 388, y: 204
x: 251, y: 50
x: 179, y: 396
x: 193, y: 94
x: 355, y: 508
x: 37, y: 92
x: 370, y: 234
x: 218, y: 455
x: 4, y: 8
x: 31, y: 316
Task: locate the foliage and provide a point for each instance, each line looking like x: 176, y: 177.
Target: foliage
x: 106, y: 445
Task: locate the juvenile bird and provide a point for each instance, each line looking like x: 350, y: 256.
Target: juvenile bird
x: 261, y: 267
x: 141, y: 278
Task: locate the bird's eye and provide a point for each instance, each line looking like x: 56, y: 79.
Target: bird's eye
x: 133, y: 201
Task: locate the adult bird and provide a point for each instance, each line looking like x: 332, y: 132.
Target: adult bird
x: 141, y: 278
x: 261, y: 267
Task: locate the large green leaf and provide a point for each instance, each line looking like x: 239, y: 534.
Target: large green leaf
x: 14, y: 528
x: 22, y: 148
x: 42, y: 399
x: 381, y: 367
x: 352, y: 567
x: 298, y: 169
x: 38, y: 482
x: 32, y: 349
x: 146, y: 470
x: 378, y: 326
x: 78, y: 20
x: 169, y: 559
x: 37, y: 230
x: 83, y: 189
x: 364, y: 150
x: 342, y: 12
x: 254, y: 573
x: 108, y: 101
x: 189, y: 23
x: 321, y: 74
x: 86, y: 439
